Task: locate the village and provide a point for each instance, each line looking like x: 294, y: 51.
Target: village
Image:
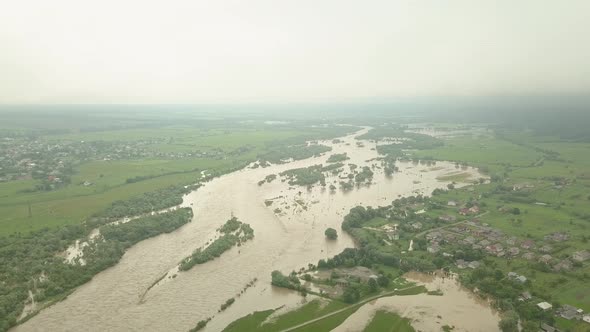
x: 52, y: 162
x: 458, y: 227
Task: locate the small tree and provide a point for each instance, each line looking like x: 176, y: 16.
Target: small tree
x: 331, y: 233
x: 373, y: 287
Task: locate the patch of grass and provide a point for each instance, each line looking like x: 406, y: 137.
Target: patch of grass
x: 384, y: 321
x: 457, y: 177
x: 250, y: 322
x: 487, y: 151
x: 412, y: 291
x: 329, y: 323
x: 311, y: 310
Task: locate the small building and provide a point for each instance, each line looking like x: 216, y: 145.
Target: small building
x: 464, y: 211
x: 452, y: 203
x: 433, y: 248
x: 525, y: 296
x: 548, y: 328
x: 544, y: 306
x: 516, y: 277
x: 545, y: 259
x: 447, y: 218
x: 469, y: 240
x: 461, y: 264
x: 564, y: 265
x: 474, y: 265
x: 484, y: 243
x: 474, y: 209
x: 581, y: 256
x: 527, y: 244
x: 546, y: 249
x: 557, y: 237
x: 568, y: 312
x: 528, y: 256
x: 513, y: 251
x: 341, y: 282
x: 586, y: 318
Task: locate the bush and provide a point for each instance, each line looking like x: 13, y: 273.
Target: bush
x: 331, y: 233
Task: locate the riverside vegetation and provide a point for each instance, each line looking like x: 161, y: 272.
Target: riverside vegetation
x: 233, y: 233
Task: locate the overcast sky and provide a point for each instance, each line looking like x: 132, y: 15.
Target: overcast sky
x: 173, y: 51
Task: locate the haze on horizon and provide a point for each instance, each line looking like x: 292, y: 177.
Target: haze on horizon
x: 67, y: 51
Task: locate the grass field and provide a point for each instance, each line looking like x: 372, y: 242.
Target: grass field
x: 251, y: 322
x: 482, y: 151
x: 311, y: 310
x: 74, y: 203
x: 384, y: 321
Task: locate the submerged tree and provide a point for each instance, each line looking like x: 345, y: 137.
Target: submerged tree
x: 331, y: 233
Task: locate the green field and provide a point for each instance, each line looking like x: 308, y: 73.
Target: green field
x: 311, y: 310
x: 384, y: 321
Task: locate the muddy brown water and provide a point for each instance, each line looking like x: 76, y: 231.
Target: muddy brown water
x: 457, y: 307
x: 116, y: 299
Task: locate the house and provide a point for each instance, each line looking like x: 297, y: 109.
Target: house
x: 516, y: 277
x: 447, y: 218
x: 474, y: 265
x: 464, y: 211
x: 548, y: 328
x: 513, y: 251
x: 527, y: 244
x: 433, y: 248
x: 586, y: 318
x: 546, y: 248
x: 417, y: 225
x: 568, y: 312
x: 433, y: 235
x: 341, y: 282
x: 469, y: 240
x: 544, y: 306
x: 495, y: 249
x: 511, y: 241
x: 484, y: 243
x: 525, y: 296
x: 564, y: 265
x: 581, y: 256
x: 474, y: 209
x: 452, y: 203
x: 545, y: 259
x: 461, y: 263
x: 557, y: 237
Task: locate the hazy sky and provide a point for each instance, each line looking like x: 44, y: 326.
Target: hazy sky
x: 123, y: 51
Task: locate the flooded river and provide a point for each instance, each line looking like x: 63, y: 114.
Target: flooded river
x: 457, y: 308
x: 118, y: 299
